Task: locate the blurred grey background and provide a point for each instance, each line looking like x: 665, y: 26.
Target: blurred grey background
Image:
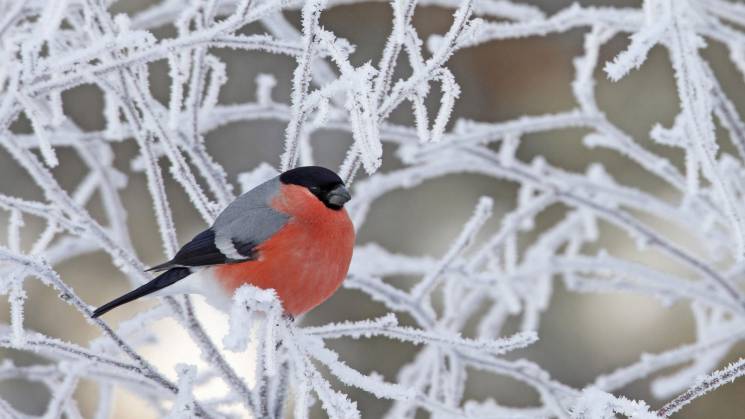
x: 581, y: 335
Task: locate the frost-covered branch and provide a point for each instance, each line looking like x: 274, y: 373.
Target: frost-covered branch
x: 459, y: 302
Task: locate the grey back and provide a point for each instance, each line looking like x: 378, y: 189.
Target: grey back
x: 250, y: 218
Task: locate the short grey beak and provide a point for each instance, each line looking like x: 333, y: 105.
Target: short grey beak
x: 338, y: 196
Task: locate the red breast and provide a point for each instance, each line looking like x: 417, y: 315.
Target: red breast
x: 306, y: 260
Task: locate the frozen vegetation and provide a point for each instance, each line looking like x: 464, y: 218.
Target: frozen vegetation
x: 49, y: 47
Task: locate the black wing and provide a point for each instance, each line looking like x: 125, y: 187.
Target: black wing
x: 238, y: 230
x: 202, y: 251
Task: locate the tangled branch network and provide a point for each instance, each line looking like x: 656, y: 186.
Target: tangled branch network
x: 49, y: 47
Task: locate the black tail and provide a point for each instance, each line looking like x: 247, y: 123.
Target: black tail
x: 163, y: 280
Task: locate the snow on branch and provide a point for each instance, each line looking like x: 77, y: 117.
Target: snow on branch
x: 707, y: 384
x: 461, y: 302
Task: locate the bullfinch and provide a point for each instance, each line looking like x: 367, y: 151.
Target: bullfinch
x: 291, y: 233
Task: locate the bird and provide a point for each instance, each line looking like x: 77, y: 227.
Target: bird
x: 290, y: 233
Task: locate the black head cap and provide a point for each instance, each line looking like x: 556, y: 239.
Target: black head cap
x: 321, y: 182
